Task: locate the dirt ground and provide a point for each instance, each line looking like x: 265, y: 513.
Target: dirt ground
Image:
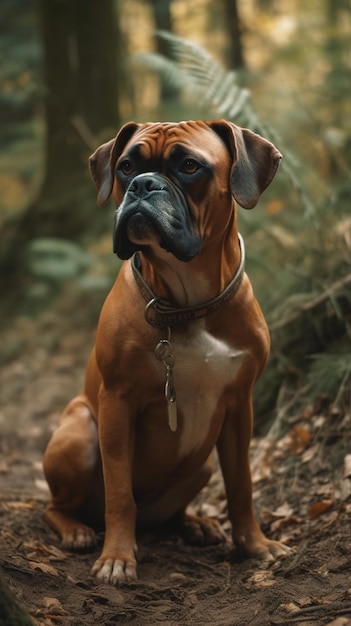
x: 302, y: 478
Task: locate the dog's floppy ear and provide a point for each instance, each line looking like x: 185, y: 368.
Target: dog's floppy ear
x: 255, y: 161
x: 102, y: 162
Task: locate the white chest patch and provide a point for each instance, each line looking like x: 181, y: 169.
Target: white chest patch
x: 204, y: 366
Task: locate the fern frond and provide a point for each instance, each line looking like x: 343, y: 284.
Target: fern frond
x: 163, y: 66
x: 203, y: 79
x: 220, y: 89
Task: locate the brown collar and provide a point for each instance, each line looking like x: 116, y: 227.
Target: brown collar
x: 160, y: 313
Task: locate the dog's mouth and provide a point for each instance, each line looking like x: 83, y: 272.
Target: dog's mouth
x: 159, y: 218
x: 140, y: 229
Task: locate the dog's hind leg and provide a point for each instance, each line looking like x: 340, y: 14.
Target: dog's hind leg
x: 72, y: 469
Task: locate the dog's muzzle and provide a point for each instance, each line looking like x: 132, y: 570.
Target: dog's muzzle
x: 154, y: 210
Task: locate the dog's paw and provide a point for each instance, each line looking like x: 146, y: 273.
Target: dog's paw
x: 201, y: 531
x: 80, y: 539
x: 114, y: 571
x: 256, y: 545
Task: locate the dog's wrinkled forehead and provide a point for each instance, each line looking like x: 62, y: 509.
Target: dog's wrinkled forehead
x: 238, y: 157
x: 158, y: 140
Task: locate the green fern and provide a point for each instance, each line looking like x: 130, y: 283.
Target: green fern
x: 202, y: 79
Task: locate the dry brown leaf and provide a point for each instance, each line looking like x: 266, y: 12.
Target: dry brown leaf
x: 318, y: 508
x: 340, y: 621
x: 43, y: 567
x: 53, y: 605
x: 21, y: 505
x: 300, y: 439
x: 284, y: 510
x: 53, y: 553
x: 261, y: 579
x: 284, y: 521
x: 347, y: 466
x: 290, y: 607
x: 310, y: 453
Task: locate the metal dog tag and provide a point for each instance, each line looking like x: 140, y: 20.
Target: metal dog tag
x: 164, y: 353
x: 171, y: 398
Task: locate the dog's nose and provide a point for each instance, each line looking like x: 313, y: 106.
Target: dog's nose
x: 145, y: 183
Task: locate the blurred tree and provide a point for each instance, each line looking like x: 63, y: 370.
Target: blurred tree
x: 81, y: 100
x: 233, y: 24
x: 163, y: 21
x: 80, y: 70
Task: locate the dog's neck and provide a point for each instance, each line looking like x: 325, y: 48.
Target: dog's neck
x: 195, y: 282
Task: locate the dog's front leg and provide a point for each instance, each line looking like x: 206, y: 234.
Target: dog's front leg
x: 233, y: 451
x: 117, y: 562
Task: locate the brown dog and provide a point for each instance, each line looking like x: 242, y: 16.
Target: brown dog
x: 180, y: 343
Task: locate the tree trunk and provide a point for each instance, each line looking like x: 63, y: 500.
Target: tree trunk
x: 235, y: 52
x: 80, y: 72
x: 163, y: 21
x: 80, y: 69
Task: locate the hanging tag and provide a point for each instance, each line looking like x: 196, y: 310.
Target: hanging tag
x: 171, y: 399
x: 164, y: 353
x: 172, y: 415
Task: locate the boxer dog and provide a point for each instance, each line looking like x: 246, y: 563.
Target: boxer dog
x: 180, y: 343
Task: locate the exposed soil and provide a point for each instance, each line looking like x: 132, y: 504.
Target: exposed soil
x: 302, y: 479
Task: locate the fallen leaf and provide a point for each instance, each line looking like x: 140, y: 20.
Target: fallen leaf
x: 290, y: 607
x: 21, y: 505
x: 38, y: 548
x: 53, y: 605
x: 318, y: 508
x: 281, y: 522
x: 347, y: 466
x: 284, y: 510
x: 300, y: 439
x: 261, y: 579
x: 43, y: 567
x: 310, y: 453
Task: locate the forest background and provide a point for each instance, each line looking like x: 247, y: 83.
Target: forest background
x: 71, y: 73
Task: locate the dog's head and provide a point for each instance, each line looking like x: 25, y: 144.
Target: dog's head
x: 174, y: 183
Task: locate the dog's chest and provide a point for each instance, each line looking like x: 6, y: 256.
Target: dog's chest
x: 203, y: 367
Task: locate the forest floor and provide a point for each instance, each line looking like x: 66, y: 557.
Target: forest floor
x: 302, y: 481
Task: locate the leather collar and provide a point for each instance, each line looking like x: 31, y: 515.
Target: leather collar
x: 160, y: 313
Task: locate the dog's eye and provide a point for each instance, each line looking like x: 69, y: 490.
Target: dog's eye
x: 189, y: 166
x: 126, y: 167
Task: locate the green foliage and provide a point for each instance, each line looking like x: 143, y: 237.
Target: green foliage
x: 56, y: 260
x: 19, y: 60
x: 221, y: 94
x: 331, y: 372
